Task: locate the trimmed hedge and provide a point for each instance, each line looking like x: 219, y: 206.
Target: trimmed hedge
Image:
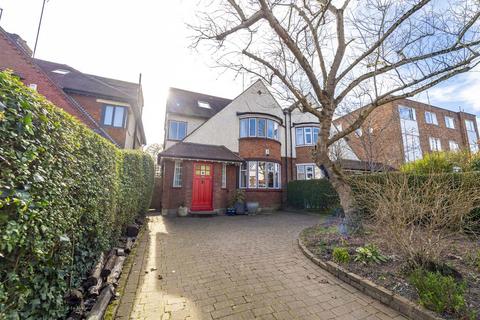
x: 320, y: 195
x: 66, y: 194
x: 312, y: 194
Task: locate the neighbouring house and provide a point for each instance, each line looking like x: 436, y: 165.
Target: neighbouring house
x: 110, y: 107
x: 214, y: 146
x: 405, y: 130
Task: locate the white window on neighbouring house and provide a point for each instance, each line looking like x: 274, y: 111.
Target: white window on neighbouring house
x: 471, y: 135
x: 358, y: 132
x: 224, y: 175
x: 114, y: 116
x: 177, y: 130
x: 203, y: 104
x: 177, y: 174
x: 308, y: 171
x: 453, y: 146
x: 431, y: 118
x: 435, y: 144
x: 449, y: 122
x: 406, y: 113
x: 412, y: 149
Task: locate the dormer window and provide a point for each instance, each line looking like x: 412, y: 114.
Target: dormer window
x: 61, y: 71
x: 114, y: 116
x: 203, y: 104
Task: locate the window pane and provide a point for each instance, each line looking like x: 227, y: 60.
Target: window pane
x: 270, y: 129
x: 172, y: 130
x: 315, y: 135
x: 262, y: 175
x: 261, y: 127
x: 299, y: 136
x: 449, y: 122
x: 275, y: 131
x: 108, y: 116
x: 224, y: 175
x: 318, y: 173
x: 300, y: 172
x: 271, y: 178
x: 406, y: 113
x: 308, y: 135
x: 453, y: 145
x: 252, y: 127
x: 252, y: 174
x: 243, y: 175
x: 277, y: 175
x: 309, y: 172
x: 177, y: 174
x: 469, y: 125
x: 182, y: 130
x: 243, y: 128
x: 118, y: 120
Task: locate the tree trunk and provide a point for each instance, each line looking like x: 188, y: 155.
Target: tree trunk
x: 352, y: 221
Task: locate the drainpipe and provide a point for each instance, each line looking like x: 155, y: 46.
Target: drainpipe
x: 286, y: 144
x: 291, y: 141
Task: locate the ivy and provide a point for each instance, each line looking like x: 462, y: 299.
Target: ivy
x: 66, y: 194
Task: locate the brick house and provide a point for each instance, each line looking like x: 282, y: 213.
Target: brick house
x: 405, y: 130
x: 214, y: 146
x: 112, y: 108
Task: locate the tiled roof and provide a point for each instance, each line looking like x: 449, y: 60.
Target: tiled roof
x: 188, y: 150
x: 186, y: 103
x: 359, y: 165
x: 75, y: 80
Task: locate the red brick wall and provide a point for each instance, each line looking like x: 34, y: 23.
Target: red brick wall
x: 265, y: 198
x: 173, y: 197
x: 22, y: 65
x: 304, y: 154
x: 254, y: 148
x: 95, y: 109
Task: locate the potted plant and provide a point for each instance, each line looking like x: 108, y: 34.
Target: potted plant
x: 239, y: 202
x: 182, y: 211
x: 252, y: 207
x: 231, y: 211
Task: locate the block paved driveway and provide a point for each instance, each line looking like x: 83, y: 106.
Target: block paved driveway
x: 243, y: 267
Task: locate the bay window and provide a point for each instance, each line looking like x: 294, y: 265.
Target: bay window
x: 259, y: 174
x: 259, y: 127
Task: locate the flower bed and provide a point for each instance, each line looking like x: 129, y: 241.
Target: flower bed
x: 367, y: 256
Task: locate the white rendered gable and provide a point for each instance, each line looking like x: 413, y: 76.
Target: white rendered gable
x: 223, y: 128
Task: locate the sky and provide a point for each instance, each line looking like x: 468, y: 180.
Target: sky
x: 122, y: 38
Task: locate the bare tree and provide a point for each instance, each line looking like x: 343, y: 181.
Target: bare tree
x: 346, y: 53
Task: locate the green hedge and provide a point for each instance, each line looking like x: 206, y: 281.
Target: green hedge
x: 65, y: 195
x: 312, y: 194
x: 319, y: 194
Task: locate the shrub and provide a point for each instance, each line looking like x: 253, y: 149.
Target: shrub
x: 439, y: 293
x: 65, y: 194
x: 443, y: 162
x: 312, y: 194
x: 369, y: 254
x: 341, y: 255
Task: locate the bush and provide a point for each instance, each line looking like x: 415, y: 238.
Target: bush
x: 65, y: 195
x: 341, y: 255
x: 439, y: 293
x: 443, y: 162
x: 369, y: 254
x: 312, y: 194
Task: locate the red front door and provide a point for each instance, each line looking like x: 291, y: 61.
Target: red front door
x: 202, y: 187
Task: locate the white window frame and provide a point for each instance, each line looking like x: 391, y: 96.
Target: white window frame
x: 176, y: 137
x: 245, y: 171
x: 411, y: 112
x: 435, y: 144
x: 203, y: 104
x: 455, y: 145
x: 469, y: 125
x: 224, y: 175
x: 447, y: 122
x: 114, y: 109
x: 177, y: 174
x: 302, y: 169
x: 310, y: 132
x: 431, y: 118
x: 251, y: 125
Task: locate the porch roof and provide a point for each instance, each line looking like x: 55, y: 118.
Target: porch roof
x: 197, y: 151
